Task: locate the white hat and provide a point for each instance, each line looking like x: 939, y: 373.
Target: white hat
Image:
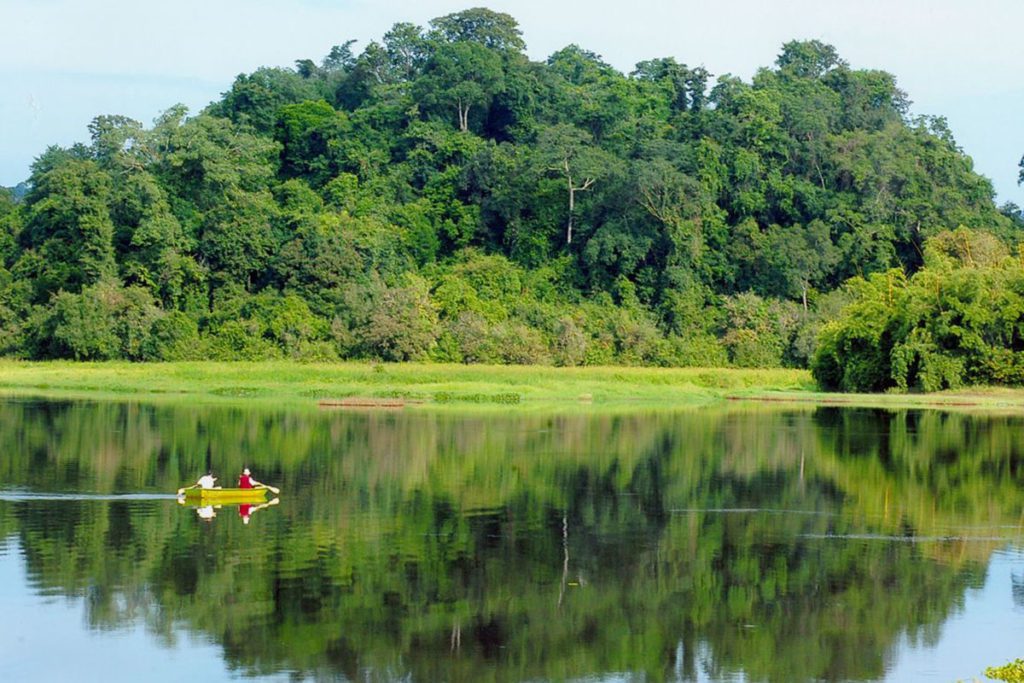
x: 245, y: 471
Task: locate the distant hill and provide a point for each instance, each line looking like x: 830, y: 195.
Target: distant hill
x: 440, y: 196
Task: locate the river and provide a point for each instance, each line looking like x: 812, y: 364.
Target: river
x: 736, y: 543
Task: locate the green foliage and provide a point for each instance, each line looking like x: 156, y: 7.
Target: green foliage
x: 1011, y: 673
x: 440, y: 196
x: 68, y: 224
x: 957, y: 321
x: 853, y: 351
x: 506, y: 399
x: 103, y: 322
x: 266, y: 325
x: 173, y: 337
x: 757, y: 332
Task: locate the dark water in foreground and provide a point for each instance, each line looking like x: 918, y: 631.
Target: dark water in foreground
x: 732, y: 544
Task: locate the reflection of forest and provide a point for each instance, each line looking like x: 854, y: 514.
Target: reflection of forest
x: 489, y: 548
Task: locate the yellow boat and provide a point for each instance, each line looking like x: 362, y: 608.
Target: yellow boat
x: 199, y: 496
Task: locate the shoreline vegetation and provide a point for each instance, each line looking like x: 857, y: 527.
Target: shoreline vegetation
x: 441, y: 197
x: 355, y: 385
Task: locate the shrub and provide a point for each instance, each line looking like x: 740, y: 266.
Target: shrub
x: 173, y: 337
x: 570, y: 345
x: 106, y: 321
x: 1011, y: 673
x: 403, y: 324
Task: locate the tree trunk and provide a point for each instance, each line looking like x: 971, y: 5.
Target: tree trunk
x: 572, y: 206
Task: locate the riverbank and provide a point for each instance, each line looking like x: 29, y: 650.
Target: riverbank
x: 391, y: 385
x: 409, y: 385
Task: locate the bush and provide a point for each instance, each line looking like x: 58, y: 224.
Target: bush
x: 106, y: 321
x: 1011, y: 673
x: 699, y: 351
x: 242, y: 340
x: 244, y: 326
x: 520, y: 345
x: 472, y: 336
x: 570, y: 345
x: 757, y: 331
x: 854, y: 352
x: 403, y: 324
x: 173, y: 337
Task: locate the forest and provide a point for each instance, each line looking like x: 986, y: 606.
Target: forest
x: 439, y: 196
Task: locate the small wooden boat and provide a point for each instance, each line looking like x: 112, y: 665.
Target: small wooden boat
x: 199, y: 496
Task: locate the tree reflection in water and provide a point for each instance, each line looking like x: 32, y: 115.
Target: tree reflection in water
x: 787, y: 544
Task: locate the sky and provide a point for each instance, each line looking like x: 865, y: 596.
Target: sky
x: 62, y: 62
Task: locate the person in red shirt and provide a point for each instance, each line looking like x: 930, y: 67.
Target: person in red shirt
x: 245, y: 481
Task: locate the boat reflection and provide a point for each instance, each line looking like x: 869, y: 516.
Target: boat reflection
x: 208, y: 511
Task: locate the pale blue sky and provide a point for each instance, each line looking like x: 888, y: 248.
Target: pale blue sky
x: 62, y: 62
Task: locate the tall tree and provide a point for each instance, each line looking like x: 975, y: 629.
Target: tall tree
x: 493, y: 30
x: 69, y: 225
x: 569, y: 152
x: 461, y: 75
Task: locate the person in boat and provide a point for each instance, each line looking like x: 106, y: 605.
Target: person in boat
x: 207, y: 481
x: 245, y: 480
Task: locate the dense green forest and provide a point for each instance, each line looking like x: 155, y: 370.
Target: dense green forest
x: 440, y: 196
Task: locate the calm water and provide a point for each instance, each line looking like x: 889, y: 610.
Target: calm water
x: 732, y: 544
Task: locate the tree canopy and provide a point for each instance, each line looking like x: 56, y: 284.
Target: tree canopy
x: 660, y: 217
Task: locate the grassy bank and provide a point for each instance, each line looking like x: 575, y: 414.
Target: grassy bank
x: 456, y: 386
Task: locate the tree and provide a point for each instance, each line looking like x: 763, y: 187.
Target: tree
x: 492, y: 30
x: 799, y: 257
x: 112, y: 138
x: 569, y: 152
x: 854, y: 352
x: 406, y: 49
x: 311, y: 134
x: 68, y: 224
x: 152, y: 247
x: 400, y: 322
x: 462, y: 74
x: 254, y: 98
x: 340, y: 57
x: 103, y: 322
x: 686, y: 87
x: 369, y: 188
x: 676, y: 201
x: 808, y: 59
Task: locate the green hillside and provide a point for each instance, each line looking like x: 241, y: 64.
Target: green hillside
x: 440, y: 196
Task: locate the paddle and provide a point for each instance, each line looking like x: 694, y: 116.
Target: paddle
x: 185, y: 488
x: 272, y: 489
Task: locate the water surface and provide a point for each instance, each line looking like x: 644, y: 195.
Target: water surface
x: 740, y: 543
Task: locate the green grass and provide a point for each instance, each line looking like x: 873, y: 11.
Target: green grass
x: 421, y: 384
x: 456, y: 387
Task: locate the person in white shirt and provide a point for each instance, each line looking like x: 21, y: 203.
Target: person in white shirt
x: 205, y: 481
